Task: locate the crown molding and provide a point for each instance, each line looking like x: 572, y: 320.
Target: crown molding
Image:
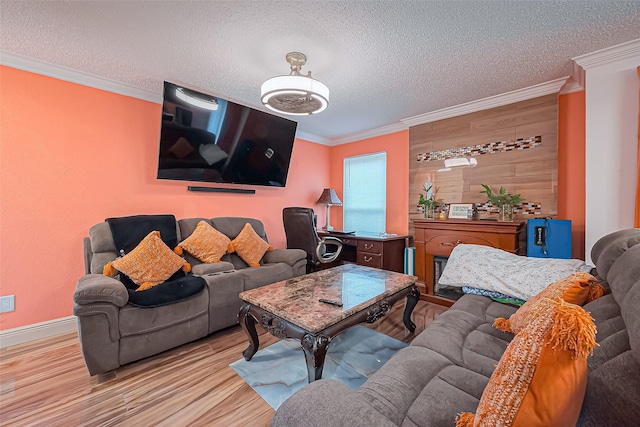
x: 609, y: 55
x: 79, y: 77
x: 575, y: 83
x: 371, y: 133
x: 518, y: 95
x: 311, y: 137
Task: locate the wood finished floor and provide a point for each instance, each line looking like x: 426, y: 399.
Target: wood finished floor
x: 45, y: 382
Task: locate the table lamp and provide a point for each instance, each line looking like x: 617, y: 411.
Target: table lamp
x: 329, y: 198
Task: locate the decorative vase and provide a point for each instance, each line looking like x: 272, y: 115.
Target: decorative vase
x: 506, y: 213
x: 429, y: 212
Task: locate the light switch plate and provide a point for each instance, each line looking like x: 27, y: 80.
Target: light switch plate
x: 7, y: 304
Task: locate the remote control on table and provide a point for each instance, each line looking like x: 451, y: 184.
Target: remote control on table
x: 332, y: 302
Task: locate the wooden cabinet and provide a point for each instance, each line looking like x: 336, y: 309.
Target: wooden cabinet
x: 439, y: 237
x: 386, y: 253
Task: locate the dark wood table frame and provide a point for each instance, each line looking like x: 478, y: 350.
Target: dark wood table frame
x: 315, y: 344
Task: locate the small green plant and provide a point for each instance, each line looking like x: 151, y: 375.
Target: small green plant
x: 428, y: 202
x: 502, y: 198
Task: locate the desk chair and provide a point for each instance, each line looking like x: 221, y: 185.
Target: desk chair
x: 300, y: 229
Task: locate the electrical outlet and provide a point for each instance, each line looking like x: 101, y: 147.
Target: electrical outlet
x: 7, y: 304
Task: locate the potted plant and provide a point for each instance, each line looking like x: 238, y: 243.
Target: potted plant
x: 503, y: 200
x: 428, y: 200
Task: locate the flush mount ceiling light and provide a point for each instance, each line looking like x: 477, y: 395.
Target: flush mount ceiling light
x: 197, y: 99
x: 295, y: 94
x: 459, y: 162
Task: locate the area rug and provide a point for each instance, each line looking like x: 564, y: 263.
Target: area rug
x: 278, y: 371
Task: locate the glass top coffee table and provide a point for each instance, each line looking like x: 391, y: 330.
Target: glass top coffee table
x: 292, y: 308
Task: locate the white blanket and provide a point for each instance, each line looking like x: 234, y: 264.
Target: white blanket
x: 496, y: 270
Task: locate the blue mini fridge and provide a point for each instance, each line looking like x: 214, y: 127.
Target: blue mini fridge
x: 549, y: 238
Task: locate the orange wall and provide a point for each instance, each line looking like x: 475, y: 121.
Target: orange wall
x: 396, y: 146
x: 571, y: 166
x: 71, y: 156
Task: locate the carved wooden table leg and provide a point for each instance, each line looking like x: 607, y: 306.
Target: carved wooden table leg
x: 315, y: 350
x: 248, y: 324
x: 412, y: 299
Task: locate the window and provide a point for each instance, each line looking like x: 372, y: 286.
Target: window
x: 365, y: 193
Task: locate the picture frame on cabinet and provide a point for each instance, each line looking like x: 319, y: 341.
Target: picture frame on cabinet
x: 461, y: 211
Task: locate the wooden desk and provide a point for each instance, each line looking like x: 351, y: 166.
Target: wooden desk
x: 371, y: 250
x: 439, y: 237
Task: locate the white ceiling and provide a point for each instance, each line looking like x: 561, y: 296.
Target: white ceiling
x: 383, y: 61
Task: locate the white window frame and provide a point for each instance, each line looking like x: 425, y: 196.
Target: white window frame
x: 365, y: 193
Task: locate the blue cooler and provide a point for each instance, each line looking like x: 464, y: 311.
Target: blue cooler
x: 549, y: 238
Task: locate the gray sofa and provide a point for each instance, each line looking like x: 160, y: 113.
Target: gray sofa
x: 446, y: 368
x: 113, y: 332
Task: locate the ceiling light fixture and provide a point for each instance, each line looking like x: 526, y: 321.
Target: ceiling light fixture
x: 458, y: 162
x: 295, y: 94
x: 197, y: 99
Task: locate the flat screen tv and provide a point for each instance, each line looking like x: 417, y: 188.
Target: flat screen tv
x: 209, y: 139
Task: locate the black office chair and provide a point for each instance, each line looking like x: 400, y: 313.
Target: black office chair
x: 300, y: 229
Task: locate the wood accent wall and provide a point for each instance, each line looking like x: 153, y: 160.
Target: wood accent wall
x: 532, y: 172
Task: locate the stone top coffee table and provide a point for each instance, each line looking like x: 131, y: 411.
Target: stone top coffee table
x: 291, y: 308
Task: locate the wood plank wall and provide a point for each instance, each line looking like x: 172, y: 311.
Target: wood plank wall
x: 532, y: 172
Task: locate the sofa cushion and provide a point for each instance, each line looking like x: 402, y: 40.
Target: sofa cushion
x: 466, y: 339
x: 249, y: 246
x: 542, y: 376
x: 205, y: 243
x: 395, y: 386
x: 574, y: 289
x: 232, y: 226
x: 265, y: 275
x: 150, y: 263
x: 451, y: 391
x: 137, y: 321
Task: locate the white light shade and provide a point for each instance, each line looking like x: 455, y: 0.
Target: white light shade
x: 207, y: 104
x: 295, y: 94
x: 460, y: 162
x: 296, y: 87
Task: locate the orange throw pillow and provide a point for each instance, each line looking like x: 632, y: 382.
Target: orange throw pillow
x: 577, y: 288
x: 541, y: 378
x: 249, y: 246
x: 148, y: 264
x: 205, y: 243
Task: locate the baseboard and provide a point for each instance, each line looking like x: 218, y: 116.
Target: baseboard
x: 38, y: 331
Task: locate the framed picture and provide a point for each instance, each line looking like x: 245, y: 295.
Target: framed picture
x: 461, y: 210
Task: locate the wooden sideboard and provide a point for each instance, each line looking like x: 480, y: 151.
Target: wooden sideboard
x: 439, y: 237
x: 371, y: 250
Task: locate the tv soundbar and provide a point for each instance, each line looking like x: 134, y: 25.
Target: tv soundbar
x: 221, y: 190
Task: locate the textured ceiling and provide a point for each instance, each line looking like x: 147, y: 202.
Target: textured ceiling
x: 382, y: 60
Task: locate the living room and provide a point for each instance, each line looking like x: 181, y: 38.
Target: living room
x: 76, y: 150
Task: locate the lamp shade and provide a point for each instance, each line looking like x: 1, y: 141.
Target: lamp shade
x: 329, y: 197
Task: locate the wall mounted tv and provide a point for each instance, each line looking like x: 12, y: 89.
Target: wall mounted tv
x: 209, y: 139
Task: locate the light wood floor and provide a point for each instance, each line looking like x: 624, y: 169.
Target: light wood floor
x: 45, y: 382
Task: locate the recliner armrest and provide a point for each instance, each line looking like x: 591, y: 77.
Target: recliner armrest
x: 93, y: 288
x: 328, y: 403
x: 288, y: 256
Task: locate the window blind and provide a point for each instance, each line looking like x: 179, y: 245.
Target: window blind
x: 365, y: 193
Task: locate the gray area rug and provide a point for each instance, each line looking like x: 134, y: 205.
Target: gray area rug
x: 278, y: 371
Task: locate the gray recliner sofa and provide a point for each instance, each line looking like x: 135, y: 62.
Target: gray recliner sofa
x: 446, y: 368
x: 113, y: 332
